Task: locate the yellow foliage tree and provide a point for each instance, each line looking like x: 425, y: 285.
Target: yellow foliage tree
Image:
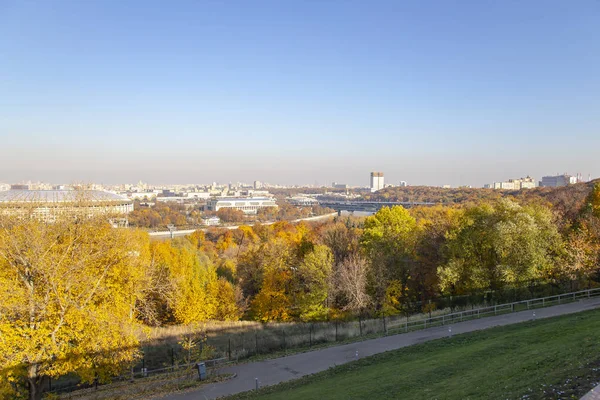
x: 68, y: 294
x: 195, y: 292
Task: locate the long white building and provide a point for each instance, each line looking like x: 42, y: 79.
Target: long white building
x: 48, y: 204
x: 249, y: 205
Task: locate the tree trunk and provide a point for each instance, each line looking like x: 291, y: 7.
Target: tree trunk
x: 35, y: 382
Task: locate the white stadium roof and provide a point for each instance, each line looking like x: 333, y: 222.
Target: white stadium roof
x: 59, y: 196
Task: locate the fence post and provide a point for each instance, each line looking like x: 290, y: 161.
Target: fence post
x: 256, y: 341
x: 384, y: 326
x: 310, y: 335
x: 443, y: 319
x: 543, y: 302
x: 360, y: 325
x: 229, y: 348
x: 172, y: 358
x: 336, y: 331
x: 284, y: 342
x: 495, y: 310
x: 559, y: 299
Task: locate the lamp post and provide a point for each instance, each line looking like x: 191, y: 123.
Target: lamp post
x: 172, y: 229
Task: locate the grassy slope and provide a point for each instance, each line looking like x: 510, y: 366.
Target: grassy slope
x: 552, y: 358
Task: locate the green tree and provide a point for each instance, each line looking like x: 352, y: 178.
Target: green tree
x: 312, y: 283
x: 500, y: 244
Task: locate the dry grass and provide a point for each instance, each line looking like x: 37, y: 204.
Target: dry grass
x: 145, y: 388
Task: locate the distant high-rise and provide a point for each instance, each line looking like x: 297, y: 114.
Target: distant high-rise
x: 258, y: 185
x: 376, y: 181
x: 558, y: 180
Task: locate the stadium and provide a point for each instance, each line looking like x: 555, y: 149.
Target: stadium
x: 49, y: 204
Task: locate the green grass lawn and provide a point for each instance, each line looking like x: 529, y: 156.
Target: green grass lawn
x: 556, y: 358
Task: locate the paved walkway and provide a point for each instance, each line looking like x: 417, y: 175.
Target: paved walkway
x: 271, y: 372
x: 593, y: 394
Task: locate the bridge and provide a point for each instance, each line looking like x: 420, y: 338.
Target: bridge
x: 368, y: 206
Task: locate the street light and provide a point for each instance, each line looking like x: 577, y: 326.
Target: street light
x: 172, y: 229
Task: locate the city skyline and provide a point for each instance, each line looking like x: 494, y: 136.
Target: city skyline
x: 298, y: 93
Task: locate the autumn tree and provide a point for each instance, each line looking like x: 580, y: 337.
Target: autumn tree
x: 228, y: 214
x: 343, y: 238
x: 312, y: 281
x: 434, y: 223
x: 195, y: 291
x: 389, y: 239
x: 500, y: 244
x: 350, y: 284
x: 68, y: 295
x: 583, y: 242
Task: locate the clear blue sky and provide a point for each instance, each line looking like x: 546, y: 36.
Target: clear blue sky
x: 431, y: 92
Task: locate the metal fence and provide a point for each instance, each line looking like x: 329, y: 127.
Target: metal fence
x: 232, y: 344
x: 466, y: 315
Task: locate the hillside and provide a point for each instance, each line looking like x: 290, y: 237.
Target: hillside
x: 563, y: 198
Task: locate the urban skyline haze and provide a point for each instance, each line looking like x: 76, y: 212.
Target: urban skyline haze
x: 430, y: 92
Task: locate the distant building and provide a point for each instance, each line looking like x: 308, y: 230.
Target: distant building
x: 258, y: 185
x: 211, y: 221
x: 403, y: 184
x: 141, y: 195
x: 377, y: 181
x: 19, y: 187
x: 249, y: 205
x: 558, y: 180
x: 198, y: 195
x: 257, y: 193
x: 49, y: 204
x: 302, y: 201
x: 336, y: 185
x: 515, y: 184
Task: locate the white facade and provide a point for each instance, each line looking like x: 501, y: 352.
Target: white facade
x: 198, y: 195
x: 249, y: 205
x: 49, y: 204
x: 377, y: 181
x: 515, y: 184
x: 212, y: 221
x: 141, y: 195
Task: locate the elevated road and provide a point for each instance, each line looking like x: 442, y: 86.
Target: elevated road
x: 374, y: 206
x: 185, y: 232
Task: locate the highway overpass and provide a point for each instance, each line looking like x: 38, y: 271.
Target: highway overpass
x: 368, y: 206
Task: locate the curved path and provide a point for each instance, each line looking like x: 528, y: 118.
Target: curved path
x: 271, y: 372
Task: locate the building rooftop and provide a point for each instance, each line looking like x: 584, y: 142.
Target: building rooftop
x: 59, y: 196
x: 242, y: 198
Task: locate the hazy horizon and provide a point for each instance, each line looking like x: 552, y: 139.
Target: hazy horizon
x: 430, y: 93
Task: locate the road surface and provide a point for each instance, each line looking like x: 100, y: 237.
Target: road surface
x: 271, y: 372
x: 185, y: 232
